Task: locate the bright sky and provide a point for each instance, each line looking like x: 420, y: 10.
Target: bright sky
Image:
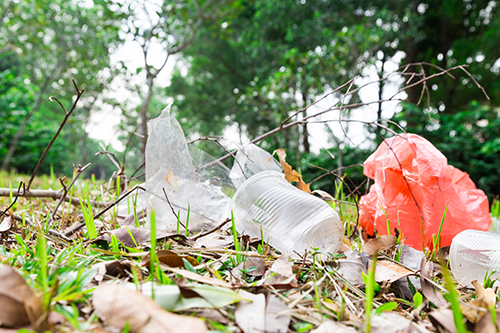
x: 104, y: 123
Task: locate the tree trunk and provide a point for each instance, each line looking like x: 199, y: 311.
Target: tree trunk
x: 17, y: 136
x: 305, y: 133
x: 380, y: 90
x: 144, y: 114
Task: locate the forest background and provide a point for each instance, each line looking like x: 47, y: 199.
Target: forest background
x: 246, y: 66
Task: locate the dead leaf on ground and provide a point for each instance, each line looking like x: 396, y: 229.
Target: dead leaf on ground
x: 430, y: 292
x: 443, y: 320
x: 280, y: 274
x: 6, y: 223
x: 333, y: 326
x: 215, y: 241
x: 477, y: 308
x: 254, y: 266
x: 129, y: 220
x: 19, y: 305
x: 255, y: 315
x: 379, y: 244
x: 351, y: 267
x: 114, y: 268
x: 169, y: 258
x: 290, y: 174
x: 117, y: 305
x: 392, y: 322
x: 486, y: 324
x: 390, y: 271
x: 141, y: 236
x: 196, y: 277
x: 178, y: 298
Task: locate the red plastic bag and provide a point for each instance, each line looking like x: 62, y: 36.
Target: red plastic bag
x: 413, y: 186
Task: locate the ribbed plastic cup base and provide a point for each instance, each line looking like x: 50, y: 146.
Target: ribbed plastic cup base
x: 473, y: 254
x: 291, y: 220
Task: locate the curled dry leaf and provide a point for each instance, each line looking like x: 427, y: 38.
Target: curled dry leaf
x: 118, y: 305
x: 477, y: 308
x: 379, y: 244
x: 19, y: 305
x: 6, y: 223
x: 169, y: 258
x: 290, y: 174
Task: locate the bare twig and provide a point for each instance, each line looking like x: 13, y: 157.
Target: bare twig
x: 66, y: 189
x: 53, y: 194
x: 172, y: 208
x: 21, y: 184
x: 108, y: 207
x: 67, y: 114
x: 194, y: 238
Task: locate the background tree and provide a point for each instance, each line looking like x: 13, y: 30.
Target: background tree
x: 55, y: 42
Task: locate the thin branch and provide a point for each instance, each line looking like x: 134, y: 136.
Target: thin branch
x: 172, y: 208
x: 53, y: 194
x: 65, y: 191
x: 108, y: 207
x: 21, y: 184
x: 67, y: 114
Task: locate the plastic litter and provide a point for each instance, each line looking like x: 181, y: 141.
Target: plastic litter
x: 413, y: 186
x: 179, y: 171
x: 291, y: 220
x: 250, y: 160
x: 473, y: 254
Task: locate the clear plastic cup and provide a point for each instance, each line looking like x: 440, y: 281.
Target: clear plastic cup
x: 291, y: 220
x: 473, y: 254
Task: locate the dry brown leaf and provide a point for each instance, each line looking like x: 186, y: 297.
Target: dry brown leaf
x: 390, y: 271
x: 172, y: 180
x: 333, y: 326
x: 141, y: 235
x: 486, y: 324
x: 118, y: 305
x: 257, y: 263
x: 169, y: 258
x: 393, y: 322
x: 477, y: 308
x: 255, y: 315
x: 280, y: 274
x: 351, y: 267
x: 429, y: 291
x: 129, y: 220
x: 290, y: 174
x: 114, y: 268
x: 443, y: 320
x: 18, y: 303
x: 379, y: 244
